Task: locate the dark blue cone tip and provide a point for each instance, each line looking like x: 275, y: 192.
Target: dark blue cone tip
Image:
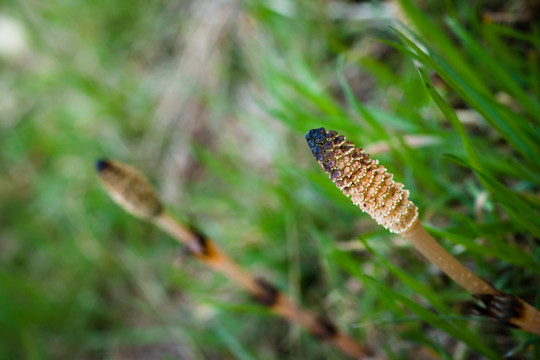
x: 102, y: 164
x: 315, y: 139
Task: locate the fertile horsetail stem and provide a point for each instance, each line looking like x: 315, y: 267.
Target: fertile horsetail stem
x: 374, y: 190
x: 130, y: 189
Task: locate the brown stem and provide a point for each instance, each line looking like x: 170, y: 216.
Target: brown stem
x: 502, y: 307
x: 529, y: 320
x: 130, y: 189
x: 424, y: 242
x: 207, y: 252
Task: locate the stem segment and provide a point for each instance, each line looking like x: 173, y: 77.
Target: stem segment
x: 504, y: 308
x: 427, y: 246
x: 130, y: 189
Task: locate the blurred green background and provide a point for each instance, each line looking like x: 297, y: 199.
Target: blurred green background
x: 211, y: 99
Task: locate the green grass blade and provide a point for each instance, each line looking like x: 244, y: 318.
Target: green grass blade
x: 484, y: 104
x: 518, y: 207
x: 451, y: 116
x: 435, y: 320
x: 499, y: 73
